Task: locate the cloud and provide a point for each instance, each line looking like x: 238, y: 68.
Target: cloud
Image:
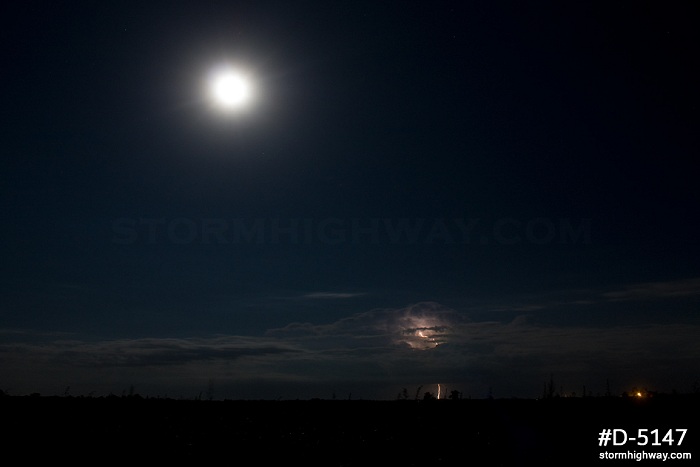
x: 379, y: 350
x: 657, y: 301
x: 657, y: 290
x: 144, y: 352
x: 514, y: 355
x: 422, y: 325
x: 331, y: 295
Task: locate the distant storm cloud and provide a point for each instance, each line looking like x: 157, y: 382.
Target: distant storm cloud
x: 420, y: 326
x: 425, y: 325
x: 428, y: 340
x: 420, y: 343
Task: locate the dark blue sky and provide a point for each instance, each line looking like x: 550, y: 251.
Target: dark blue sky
x: 517, y: 180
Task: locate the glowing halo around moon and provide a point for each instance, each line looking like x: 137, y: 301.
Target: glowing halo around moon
x: 230, y: 89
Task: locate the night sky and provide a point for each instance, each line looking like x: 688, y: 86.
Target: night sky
x: 481, y: 195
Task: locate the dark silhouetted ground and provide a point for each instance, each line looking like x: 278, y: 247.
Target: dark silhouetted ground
x: 335, y: 433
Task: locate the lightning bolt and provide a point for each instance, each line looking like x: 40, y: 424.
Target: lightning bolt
x: 438, y: 391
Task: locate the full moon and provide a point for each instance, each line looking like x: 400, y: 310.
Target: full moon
x: 230, y: 89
